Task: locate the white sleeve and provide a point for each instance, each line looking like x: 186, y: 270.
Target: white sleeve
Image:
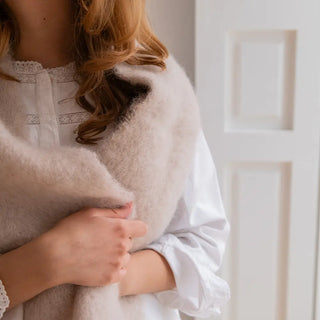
x: 194, y: 242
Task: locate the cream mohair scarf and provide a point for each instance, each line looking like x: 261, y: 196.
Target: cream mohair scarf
x: 146, y: 160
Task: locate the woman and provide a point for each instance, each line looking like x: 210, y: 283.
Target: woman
x: 62, y: 47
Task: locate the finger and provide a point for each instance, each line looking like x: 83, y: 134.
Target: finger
x: 126, y: 259
x: 122, y: 272
x: 121, y: 212
x: 119, y: 275
x: 128, y: 243
x: 137, y: 228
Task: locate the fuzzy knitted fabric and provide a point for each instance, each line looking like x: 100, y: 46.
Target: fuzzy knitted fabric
x: 145, y: 160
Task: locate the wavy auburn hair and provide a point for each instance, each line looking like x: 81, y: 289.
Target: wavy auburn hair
x: 106, y: 32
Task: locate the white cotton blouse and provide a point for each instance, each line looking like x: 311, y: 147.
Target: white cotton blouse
x: 195, y: 240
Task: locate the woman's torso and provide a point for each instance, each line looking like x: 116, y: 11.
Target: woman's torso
x: 51, y: 119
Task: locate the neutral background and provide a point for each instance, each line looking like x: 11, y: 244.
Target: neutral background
x: 174, y: 23
x: 256, y: 70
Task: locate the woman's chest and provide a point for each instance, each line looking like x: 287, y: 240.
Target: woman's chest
x: 47, y: 113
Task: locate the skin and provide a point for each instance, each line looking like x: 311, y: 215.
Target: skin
x: 91, y: 239
x: 39, y: 21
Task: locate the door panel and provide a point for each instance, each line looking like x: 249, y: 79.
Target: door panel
x: 257, y: 81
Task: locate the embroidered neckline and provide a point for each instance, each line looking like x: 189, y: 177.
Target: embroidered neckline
x: 26, y: 70
x: 30, y: 67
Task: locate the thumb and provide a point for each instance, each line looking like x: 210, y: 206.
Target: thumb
x: 122, y: 212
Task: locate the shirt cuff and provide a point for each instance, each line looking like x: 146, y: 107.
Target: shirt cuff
x: 199, y: 292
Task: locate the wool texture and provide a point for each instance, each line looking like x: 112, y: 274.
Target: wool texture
x: 145, y: 160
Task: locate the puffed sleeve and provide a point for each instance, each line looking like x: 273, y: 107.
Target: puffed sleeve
x: 194, y: 242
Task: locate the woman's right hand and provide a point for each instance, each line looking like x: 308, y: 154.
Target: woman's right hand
x: 90, y: 247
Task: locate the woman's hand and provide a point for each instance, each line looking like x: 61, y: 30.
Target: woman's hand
x: 90, y: 247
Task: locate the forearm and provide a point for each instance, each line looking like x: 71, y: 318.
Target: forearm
x: 147, y: 271
x: 25, y: 272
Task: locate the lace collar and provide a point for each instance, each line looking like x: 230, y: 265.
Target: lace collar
x: 26, y: 70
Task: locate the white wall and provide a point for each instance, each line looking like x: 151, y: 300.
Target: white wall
x: 174, y: 25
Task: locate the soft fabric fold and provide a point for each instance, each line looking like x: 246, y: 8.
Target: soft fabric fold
x: 146, y: 160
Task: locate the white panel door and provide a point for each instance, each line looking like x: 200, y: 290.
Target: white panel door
x: 257, y: 80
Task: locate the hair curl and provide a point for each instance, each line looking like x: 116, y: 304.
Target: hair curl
x: 106, y: 32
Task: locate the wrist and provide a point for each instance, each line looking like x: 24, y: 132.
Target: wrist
x: 49, y: 260
x: 26, y: 271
